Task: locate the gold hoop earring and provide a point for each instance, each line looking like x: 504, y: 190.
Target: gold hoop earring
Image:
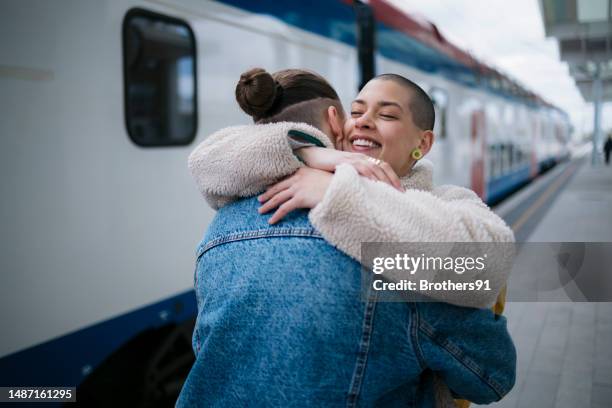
x: 416, y: 153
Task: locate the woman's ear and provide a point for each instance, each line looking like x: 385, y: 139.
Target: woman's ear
x: 336, y: 123
x: 427, y: 140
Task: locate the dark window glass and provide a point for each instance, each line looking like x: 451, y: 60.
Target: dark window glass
x: 159, y: 63
x: 493, y: 161
x: 511, y: 154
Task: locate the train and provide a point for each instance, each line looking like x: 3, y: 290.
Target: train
x: 102, y: 101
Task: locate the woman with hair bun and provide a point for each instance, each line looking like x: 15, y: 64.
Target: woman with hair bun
x: 263, y: 95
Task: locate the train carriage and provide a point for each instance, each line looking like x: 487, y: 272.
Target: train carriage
x: 103, y: 100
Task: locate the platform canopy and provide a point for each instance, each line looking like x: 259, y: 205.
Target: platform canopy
x: 584, y: 31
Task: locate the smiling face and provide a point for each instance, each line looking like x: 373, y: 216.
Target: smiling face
x: 381, y: 125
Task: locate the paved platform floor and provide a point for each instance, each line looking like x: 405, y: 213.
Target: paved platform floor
x: 565, y: 349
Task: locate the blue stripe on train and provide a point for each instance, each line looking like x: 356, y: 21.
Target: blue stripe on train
x: 61, y: 361
x: 499, y: 187
x: 336, y: 20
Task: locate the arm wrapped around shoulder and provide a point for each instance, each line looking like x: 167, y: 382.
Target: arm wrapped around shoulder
x: 241, y: 161
x: 480, y: 223
x: 356, y: 210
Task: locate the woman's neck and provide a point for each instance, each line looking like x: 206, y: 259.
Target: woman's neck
x: 405, y: 170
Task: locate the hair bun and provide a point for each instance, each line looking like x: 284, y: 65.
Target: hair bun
x: 256, y: 92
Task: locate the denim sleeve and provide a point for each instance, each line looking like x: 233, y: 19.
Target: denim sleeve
x: 469, y: 349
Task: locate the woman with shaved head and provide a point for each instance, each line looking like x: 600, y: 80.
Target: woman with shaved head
x: 374, y: 187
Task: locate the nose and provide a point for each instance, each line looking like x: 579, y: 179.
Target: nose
x: 364, y: 121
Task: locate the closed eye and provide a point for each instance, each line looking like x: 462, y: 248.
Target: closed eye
x: 356, y: 113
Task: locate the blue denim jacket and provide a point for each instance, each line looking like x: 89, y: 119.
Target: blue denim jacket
x: 281, y: 322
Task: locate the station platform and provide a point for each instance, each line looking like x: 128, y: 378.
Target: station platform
x: 564, y: 349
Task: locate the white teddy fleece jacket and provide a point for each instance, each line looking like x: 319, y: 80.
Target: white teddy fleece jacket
x: 242, y: 161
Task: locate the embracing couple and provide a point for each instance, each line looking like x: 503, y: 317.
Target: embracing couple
x: 281, y: 318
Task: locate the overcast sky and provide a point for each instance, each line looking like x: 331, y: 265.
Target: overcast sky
x: 509, y: 35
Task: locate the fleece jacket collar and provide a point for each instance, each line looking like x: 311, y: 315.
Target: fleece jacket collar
x: 420, y: 176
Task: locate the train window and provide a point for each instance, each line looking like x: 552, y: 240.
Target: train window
x: 495, y: 84
x: 159, y: 69
x: 493, y: 162
x: 511, y: 161
x: 439, y: 97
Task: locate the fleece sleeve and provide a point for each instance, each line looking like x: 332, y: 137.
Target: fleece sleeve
x: 355, y: 210
x: 241, y: 161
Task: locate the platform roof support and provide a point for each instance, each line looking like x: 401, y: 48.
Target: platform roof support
x: 584, y: 31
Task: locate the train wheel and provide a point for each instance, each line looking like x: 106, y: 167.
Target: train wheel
x: 146, y: 372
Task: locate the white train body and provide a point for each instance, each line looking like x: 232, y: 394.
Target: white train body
x: 96, y: 228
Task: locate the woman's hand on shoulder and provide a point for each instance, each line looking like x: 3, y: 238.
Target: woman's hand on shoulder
x: 328, y: 159
x: 304, y: 189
